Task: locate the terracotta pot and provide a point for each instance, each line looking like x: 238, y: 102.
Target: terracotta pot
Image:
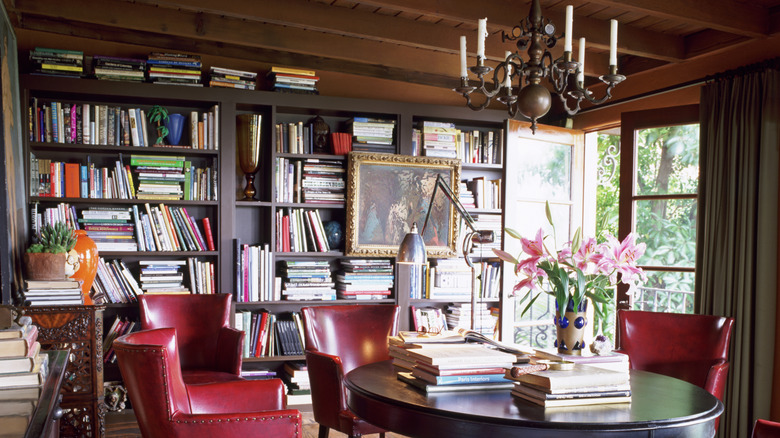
x: 88, y: 263
x: 570, y: 329
x: 44, y: 266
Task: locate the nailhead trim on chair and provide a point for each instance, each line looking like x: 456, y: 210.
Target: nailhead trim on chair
x: 168, y: 406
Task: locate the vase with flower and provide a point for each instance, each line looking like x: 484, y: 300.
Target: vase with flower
x: 581, y: 270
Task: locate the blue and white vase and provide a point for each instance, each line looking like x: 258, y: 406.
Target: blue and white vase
x: 570, y: 328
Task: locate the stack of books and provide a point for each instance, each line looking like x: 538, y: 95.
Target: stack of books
x: 230, y: 78
x: 582, y: 385
x: 159, y: 176
x: 119, y: 69
x: 174, y: 68
x: 612, y: 360
x: 112, y: 228
x: 52, y: 292
x: 372, y: 135
x: 307, y: 280
x: 458, y: 316
x: 430, y: 318
x: 450, y: 279
x: 162, y: 277
x: 296, y: 377
x: 58, y: 62
x: 466, y: 196
x: 439, y: 139
x: 323, y: 181
x: 458, y: 367
x: 365, y: 279
x: 293, y: 80
x: 23, y: 369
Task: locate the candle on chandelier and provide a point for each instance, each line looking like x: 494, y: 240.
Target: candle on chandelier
x: 581, y: 60
x: 508, y: 79
x: 481, y: 34
x: 567, y: 30
x: 463, y: 71
x: 613, y: 42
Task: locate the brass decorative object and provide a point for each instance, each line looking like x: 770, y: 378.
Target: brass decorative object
x: 248, y: 146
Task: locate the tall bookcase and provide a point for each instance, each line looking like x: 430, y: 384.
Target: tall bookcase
x: 232, y: 219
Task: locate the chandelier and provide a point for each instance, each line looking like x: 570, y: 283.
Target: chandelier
x: 533, y: 100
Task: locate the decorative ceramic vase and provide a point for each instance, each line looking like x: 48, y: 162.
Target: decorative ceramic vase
x: 88, y: 263
x: 248, y: 146
x: 44, y: 266
x: 570, y: 328
x: 175, y: 125
x: 333, y: 233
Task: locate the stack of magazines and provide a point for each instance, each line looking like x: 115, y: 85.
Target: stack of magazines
x: 229, y: 78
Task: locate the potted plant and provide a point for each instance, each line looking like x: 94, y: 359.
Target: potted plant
x: 49, y: 258
x: 159, y: 116
x: 582, y: 269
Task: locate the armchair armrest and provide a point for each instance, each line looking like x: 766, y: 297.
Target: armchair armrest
x: 237, y: 396
x: 326, y: 375
x: 285, y: 423
x: 717, y: 378
x: 230, y: 350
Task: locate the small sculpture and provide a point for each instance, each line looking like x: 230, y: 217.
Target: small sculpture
x: 115, y: 396
x: 321, y: 133
x: 600, y: 345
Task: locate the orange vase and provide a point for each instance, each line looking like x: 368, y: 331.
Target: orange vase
x: 88, y: 263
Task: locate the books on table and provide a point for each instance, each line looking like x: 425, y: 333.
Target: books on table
x: 431, y: 388
x: 581, y: 385
x: 612, y: 360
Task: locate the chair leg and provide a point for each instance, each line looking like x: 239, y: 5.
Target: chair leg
x: 381, y: 435
x: 323, y: 431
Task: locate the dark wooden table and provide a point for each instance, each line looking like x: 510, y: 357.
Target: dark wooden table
x: 660, y: 407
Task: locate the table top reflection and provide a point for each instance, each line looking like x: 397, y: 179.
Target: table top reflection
x: 661, y: 406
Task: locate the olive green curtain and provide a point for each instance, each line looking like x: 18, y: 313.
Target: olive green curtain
x: 736, y: 271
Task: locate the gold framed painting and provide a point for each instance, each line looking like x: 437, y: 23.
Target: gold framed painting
x: 387, y: 193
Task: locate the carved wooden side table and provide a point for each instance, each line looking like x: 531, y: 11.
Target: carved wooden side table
x: 80, y: 329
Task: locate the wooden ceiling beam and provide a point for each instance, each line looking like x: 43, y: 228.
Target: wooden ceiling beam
x: 741, y: 18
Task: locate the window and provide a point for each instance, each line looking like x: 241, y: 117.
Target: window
x: 658, y: 200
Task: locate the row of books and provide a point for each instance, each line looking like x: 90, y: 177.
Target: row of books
x: 23, y: 370
x: 481, y: 193
x: 294, y: 80
x: 444, y: 139
x: 58, y: 62
x: 295, y: 375
x: 307, y: 281
x: 372, y: 134
x: 116, y: 283
x: 58, y: 179
x: 300, y: 230
x: 231, y: 78
x: 311, y: 180
x: 458, y: 316
x: 364, y: 279
x: 295, y: 137
x: 268, y: 334
x: 100, y: 124
x: 121, y: 326
x: 52, y: 292
x: 255, y: 277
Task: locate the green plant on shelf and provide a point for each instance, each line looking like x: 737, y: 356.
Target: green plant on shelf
x: 159, y: 115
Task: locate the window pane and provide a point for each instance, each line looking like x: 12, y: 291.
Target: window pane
x: 545, y: 176
x: 666, y: 292
x: 528, y: 217
x: 667, y: 160
x: 536, y: 328
x: 668, y: 228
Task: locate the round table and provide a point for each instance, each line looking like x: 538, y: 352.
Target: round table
x: 661, y: 406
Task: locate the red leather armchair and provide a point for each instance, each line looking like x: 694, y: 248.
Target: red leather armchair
x: 339, y: 339
x: 209, y: 349
x: 766, y: 429
x: 166, y: 407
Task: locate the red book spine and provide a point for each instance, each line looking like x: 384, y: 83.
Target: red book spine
x: 260, y: 344
x: 72, y: 180
x: 209, y: 235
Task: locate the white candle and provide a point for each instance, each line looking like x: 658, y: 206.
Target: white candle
x: 508, y: 79
x: 481, y: 34
x: 567, y: 31
x: 463, y: 71
x: 581, y: 59
x: 613, y: 42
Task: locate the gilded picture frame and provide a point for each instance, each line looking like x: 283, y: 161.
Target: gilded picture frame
x: 387, y: 193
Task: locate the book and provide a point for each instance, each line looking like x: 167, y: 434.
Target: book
x: 27, y: 364
x: 17, y: 380
x: 463, y: 354
x: 457, y: 379
x: 612, y: 360
x: 19, y: 347
x: 578, y: 401
x: 582, y: 377
x: 532, y: 391
x: 431, y: 388
x: 17, y: 330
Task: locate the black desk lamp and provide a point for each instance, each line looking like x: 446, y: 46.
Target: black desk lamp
x: 474, y: 236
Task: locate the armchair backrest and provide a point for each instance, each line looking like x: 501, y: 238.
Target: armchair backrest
x: 357, y: 334
x: 197, y: 320
x: 149, y: 363
x: 678, y: 345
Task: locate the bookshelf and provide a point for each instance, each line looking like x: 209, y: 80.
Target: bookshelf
x: 232, y: 219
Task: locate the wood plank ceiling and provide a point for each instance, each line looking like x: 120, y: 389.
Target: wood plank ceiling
x: 411, y: 41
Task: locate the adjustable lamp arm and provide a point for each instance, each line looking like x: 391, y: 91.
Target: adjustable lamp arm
x: 480, y: 236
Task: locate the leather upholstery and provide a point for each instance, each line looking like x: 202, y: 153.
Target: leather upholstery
x: 339, y: 339
x: 166, y: 407
x: 693, y: 348
x: 209, y: 349
x: 766, y: 429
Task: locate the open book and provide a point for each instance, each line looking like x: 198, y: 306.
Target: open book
x: 465, y: 335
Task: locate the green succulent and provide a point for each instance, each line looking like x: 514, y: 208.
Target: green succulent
x: 55, y: 239
x: 159, y: 115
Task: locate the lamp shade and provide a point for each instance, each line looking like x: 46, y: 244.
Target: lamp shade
x: 412, y: 249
